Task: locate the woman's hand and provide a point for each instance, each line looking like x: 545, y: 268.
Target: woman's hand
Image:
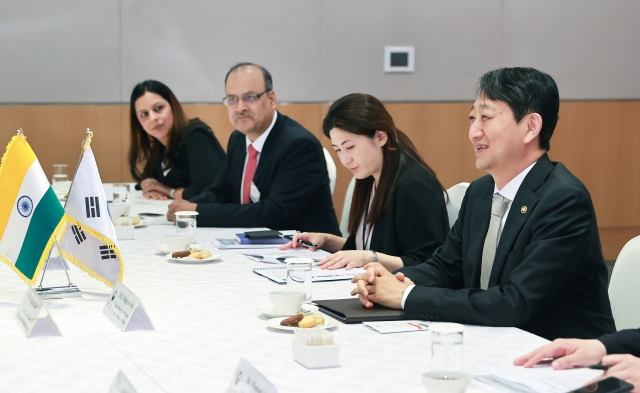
x: 148, y: 182
x: 347, y: 259
x: 318, y: 238
x: 157, y: 195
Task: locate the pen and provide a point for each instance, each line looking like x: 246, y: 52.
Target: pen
x: 307, y: 244
x: 598, y: 366
x: 303, y: 242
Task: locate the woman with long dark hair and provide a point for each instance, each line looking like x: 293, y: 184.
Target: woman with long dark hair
x: 398, y: 215
x: 170, y: 156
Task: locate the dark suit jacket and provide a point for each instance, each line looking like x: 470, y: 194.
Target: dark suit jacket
x: 196, y: 163
x: 292, y: 179
x: 416, y: 222
x: 548, y: 276
x: 625, y: 341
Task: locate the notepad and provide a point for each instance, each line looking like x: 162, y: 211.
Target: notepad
x: 279, y: 274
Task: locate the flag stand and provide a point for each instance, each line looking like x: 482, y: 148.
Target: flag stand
x: 57, y: 292
x: 64, y: 291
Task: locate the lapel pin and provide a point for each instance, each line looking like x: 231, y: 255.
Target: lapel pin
x: 523, y: 209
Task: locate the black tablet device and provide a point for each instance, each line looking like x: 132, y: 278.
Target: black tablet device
x: 609, y: 385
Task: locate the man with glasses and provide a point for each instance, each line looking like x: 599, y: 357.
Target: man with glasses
x: 274, y: 175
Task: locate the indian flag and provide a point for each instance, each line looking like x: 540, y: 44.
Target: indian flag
x: 30, y: 213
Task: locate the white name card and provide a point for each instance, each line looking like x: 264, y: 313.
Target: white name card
x: 28, y: 317
x: 125, y: 310
x: 247, y: 379
x: 122, y: 384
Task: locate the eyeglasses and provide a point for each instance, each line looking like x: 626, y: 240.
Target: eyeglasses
x: 249, y: 98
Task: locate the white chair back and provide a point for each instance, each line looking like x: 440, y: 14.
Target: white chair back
x: 624, y: 287
x: 346, y: 209
x: 331, y: 168
x: 456, y: 194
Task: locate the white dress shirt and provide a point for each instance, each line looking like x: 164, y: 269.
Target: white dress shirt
x: 509, y: 191
x: 258, y: 144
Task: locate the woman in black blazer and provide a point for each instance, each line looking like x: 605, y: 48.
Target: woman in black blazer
x: 398, y: 215
x: 170, y: 156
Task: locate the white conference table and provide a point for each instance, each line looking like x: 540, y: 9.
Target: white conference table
x: 205, y: 321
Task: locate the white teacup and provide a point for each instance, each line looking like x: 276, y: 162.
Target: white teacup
x: 119, y: 209
x: 178, y: 242
x: 445, y: 381
x: 287, y: 302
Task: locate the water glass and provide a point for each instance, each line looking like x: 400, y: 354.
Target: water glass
x: 60, y: 182
x: 447, y: 349
x: 186, y: 223
x: 299, y: 275
x: 121, y: 193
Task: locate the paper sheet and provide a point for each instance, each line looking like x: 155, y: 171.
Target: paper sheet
x: 543, y: 379
x: 397, y: 326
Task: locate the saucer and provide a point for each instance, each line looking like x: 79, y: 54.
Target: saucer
x: 275, y: 324
x: 164, y: 249
x: 188, y: 260
x: 267, y: 309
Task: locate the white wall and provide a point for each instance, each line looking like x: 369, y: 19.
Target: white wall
x: 95, y: 51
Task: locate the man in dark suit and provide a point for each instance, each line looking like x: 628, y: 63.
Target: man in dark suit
x: 525, y: 250
x: 274, y: 175
x: 618, y: 351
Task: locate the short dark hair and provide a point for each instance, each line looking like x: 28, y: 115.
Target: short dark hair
x: 268, y: 82
x: 525, y: 90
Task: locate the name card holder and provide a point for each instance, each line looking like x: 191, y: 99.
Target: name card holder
x: 247, y: 379
x: 28, y: 317
x: 121, y: 384
x: 125, y: 310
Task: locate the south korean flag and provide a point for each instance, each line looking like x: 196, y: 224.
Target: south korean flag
x: 89, y: 240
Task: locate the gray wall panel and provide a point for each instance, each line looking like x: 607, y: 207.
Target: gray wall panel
x: 455, y: 41
x: 590, y: 47
x: 93, y: 51
x: 191, y: 45
x: 59, y: 51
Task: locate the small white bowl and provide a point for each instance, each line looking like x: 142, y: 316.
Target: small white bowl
x: 119, y: 209
x: 178, y: 242
x: 287, y: 302
x: 445, y: 381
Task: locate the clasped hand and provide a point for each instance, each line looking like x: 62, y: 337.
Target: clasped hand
x: 153, y: 189
x: 378, y: 285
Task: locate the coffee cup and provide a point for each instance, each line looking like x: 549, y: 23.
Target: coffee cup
x: 445, y: 381
x: 287, y: 302
x: 119, y: 209
x: 178, y: 242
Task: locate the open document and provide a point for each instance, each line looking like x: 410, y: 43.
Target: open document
x: 540, y: 379
x: 278, y: 256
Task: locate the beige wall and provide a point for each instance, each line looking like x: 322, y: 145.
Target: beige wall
x: 596, y: 140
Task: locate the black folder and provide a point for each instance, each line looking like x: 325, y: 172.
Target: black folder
x: 352, y: 311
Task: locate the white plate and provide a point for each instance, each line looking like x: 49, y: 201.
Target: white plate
x: 213, y: 257
x: 164, y: 249
x: 267, y: 309
x: 275, y: 323
x: 140, y: 224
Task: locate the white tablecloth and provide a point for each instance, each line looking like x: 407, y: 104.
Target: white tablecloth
x: 206, y: 320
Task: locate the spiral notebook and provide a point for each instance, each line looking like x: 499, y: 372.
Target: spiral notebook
x: 279, y: 273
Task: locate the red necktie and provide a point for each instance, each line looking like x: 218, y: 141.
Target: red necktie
x: 249, y: 171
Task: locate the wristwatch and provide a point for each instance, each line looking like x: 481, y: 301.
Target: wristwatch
x: 375, y: 256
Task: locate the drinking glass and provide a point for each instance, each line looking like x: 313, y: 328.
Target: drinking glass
x: 121, y: 193
x: 447, y: 349
x: 60, y: 182
x: 299, y: 275
x: 186, y: 223
x: 59, y: 173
